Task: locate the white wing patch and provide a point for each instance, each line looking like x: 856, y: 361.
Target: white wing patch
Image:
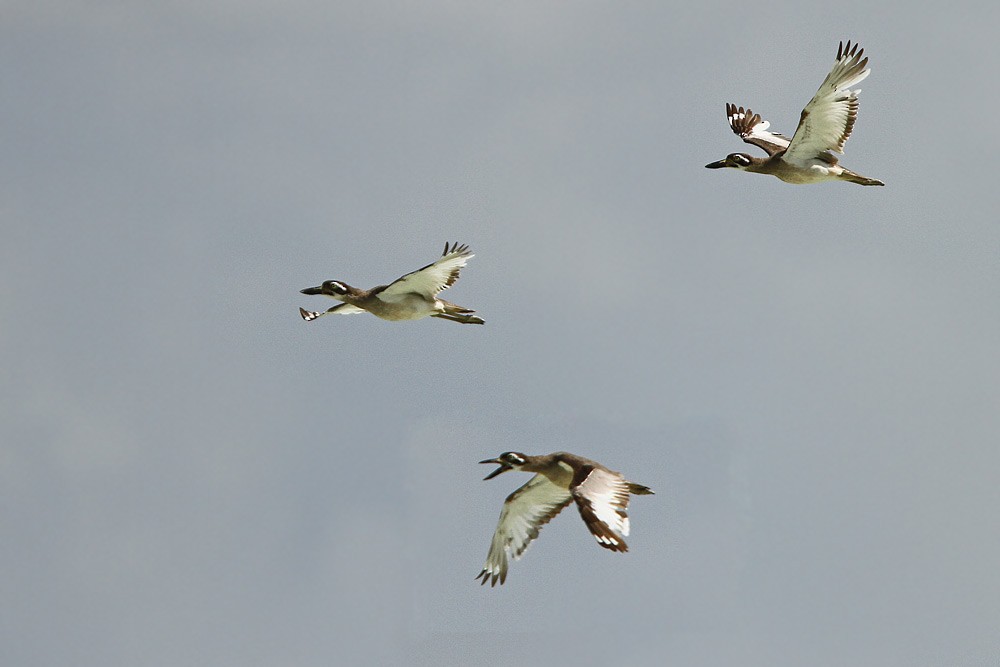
x: 432, y: 279
x: 753, y: 129
x: 524, y: 513
x: 602, y: 498
x: 342, y: 309
x: 828, y: 119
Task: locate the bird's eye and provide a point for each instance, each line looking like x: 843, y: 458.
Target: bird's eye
x: 336, y: 287
x: 511, y: 457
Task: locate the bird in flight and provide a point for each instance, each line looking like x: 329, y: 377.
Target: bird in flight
x: 411, y: 297
x: 601, y: 495
x: 824, y: 126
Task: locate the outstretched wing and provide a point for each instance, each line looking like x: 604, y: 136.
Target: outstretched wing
x: 431, y: 279
x: 602, y: 497
x: 340, y: 309
x: 828, y: 119
x: 752, y: 129
x: 524, y: 513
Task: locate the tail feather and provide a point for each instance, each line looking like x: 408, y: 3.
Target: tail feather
x: 460, y: 318
x: 454, y: 308
x: 458, y: 313
x: 849, y: 175
x: 639, y: 489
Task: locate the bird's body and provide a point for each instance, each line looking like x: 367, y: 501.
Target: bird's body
x: 411, y: 297
x: 814, y: 170
x: 824, y: 127
x: 601, y: 495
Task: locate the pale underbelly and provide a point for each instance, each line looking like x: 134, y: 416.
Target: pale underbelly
x: 412, y: 307
x: 815, y: 174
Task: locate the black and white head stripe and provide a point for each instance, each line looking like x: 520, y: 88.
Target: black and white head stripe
x: 601, y: 496
x: 335, y: 286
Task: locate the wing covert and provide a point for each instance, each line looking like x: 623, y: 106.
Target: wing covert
x: 827, y: 121
x: 340, y: 309
x: 524, y: 513
x: 602, y: 498
x: 433, y: 278
x: 753, y: 130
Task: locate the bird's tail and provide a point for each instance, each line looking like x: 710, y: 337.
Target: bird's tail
x: 639, y: 489
x: 849, y: 175
x: 457, y: 313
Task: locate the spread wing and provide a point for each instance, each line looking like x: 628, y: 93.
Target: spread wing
x: 602, y: 497
x: 340, y: 309
x: 433, y: 278
x: 752, y: 129
x: 828, y: 119
x: 524, y: 513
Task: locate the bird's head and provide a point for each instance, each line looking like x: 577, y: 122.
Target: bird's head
x: 506, y: 461
x: 733, y: 161
x: 330, y: 288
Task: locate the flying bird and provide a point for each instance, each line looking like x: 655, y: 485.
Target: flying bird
x: 601, y: 495
x: 411, y: 297
x: 824, y: 126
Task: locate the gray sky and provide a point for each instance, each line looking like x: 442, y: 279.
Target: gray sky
x: 806, y: 375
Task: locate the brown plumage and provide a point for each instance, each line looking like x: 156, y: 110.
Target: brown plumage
x: 601, y: 496
x: 825, y: 125
x: 409, y: 297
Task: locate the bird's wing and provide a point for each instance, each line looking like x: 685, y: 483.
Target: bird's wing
x: 752, y: 129
x: 524, y: 513
x: 828, y: 119
x: 431, y: 279
x: 340, y: 309
x: 602, y: 497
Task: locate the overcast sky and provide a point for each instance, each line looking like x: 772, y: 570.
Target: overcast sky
x: 806, y: 375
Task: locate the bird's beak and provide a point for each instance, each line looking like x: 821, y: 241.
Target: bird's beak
x: 312, y: 290
x: 503, y: 468
x: 716, y: 165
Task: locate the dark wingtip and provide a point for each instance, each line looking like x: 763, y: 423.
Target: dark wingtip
x: 492, y: 578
